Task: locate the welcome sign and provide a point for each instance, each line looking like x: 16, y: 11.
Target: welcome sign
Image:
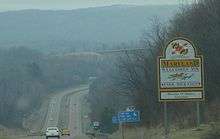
x: 180, y: 72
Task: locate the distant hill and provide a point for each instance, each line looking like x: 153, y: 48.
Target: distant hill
x: 64, y: 30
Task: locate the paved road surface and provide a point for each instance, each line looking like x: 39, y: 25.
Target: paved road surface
x: 54, y: 106
x: 75, y: 122
x: 75, y: 115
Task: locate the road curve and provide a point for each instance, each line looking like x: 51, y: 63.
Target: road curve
x: 76, y: 116
x: 52, y: 117
x: 55, y: 103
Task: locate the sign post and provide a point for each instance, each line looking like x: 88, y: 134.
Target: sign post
x: 122, y: 130
x: 180, y: 75
x: 166, y: 121
x: 126, y: 117
x: 198, y: 113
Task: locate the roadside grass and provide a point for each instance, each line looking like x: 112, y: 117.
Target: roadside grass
x: 191, y: 133
x: 4, y: 138
x: 81, y: 137
x: 213, y: 132
x: 138, y: 133
x: 158, y: 133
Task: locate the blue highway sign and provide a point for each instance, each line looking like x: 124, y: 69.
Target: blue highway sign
x: 129, y: 116
x: 115, y: 120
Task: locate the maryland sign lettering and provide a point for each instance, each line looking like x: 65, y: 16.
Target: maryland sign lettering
x: 180, y: 72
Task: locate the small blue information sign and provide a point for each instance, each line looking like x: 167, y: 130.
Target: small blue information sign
x: 115, y: 120
x: 129, y: 116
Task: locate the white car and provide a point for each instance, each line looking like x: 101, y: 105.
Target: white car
x: 52, y: 132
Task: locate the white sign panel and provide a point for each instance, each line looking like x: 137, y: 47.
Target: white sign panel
x: 181, y: 95
x: 180, y: 72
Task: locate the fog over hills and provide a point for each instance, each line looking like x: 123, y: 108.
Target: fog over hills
x: 66, y: 30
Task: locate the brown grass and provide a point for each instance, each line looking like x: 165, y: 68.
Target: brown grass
x: 158, y: 133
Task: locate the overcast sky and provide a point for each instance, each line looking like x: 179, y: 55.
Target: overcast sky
x: 6, y: 5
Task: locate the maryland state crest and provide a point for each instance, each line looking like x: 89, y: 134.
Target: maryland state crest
x: 179, y: 49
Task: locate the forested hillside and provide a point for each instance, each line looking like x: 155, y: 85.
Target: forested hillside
x: 33, y: 44
x: 76, y: 30
x: 28, y: 77
x: 132, y: 76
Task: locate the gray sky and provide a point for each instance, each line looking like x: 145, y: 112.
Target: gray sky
x: 6, y: 5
